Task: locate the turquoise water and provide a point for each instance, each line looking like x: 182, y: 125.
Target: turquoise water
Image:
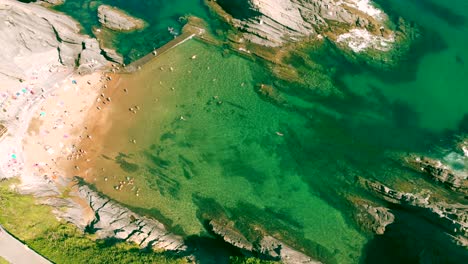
x: 438, y: 92
x: 207, y: 138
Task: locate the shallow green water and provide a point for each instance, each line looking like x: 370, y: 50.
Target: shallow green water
x: 227, y: 148
x: 288, y: 165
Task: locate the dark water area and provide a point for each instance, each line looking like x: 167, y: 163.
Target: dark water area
x: 413, y: 239
x: 450, y: 16
x: 212, y: 144
x: 238, y: 8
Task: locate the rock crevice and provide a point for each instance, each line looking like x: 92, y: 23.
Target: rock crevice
x: 113, y: 220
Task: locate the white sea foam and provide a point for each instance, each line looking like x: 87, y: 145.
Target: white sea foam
x: 367, y: 7
x: 359, y: 40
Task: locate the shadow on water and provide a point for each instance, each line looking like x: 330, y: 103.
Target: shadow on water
x: 237, y: 8
x: 254, y: 223
x: 444, y: 13
x: 412, y: 239
x: 209, y: 249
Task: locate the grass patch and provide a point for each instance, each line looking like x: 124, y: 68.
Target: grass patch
x: 62, y: 242
x: 3, y: 261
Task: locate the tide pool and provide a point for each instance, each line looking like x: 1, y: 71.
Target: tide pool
x: 202, y: 132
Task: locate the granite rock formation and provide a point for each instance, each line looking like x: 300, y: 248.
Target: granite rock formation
x: 456, y: 180
x: 114, y: 220
x: 33, y: 37
x: 54, y: 2
x: 452, y: 217
x: 266, y: 246
x: 357, y: 24
x: 116, y: 19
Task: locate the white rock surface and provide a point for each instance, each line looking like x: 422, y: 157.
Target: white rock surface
x: 114, y: 220
x: 114, y: 18
x: 33, y: 36
x: 54, y: 2
x: 282, y: 21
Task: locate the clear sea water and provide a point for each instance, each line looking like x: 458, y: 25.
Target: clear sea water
x: 207, y: 139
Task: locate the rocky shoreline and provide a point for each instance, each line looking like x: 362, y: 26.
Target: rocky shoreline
x: 452, y: 217
x: 357, y: 26
x: 439, y: 172
x: 113, y: 220
x: 265, y: 247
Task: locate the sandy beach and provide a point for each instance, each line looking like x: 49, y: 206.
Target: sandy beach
x: 53, y: 128
x: 57, y: 126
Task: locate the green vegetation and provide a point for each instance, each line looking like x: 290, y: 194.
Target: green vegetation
x: 62, y: 242
x: 3, y: 261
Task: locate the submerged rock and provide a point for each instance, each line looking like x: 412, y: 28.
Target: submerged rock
x: 117, y: 19
x: 374, y: 218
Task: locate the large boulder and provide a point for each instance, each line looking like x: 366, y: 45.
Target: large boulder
x: 117, y: 19
x: 374, y: 218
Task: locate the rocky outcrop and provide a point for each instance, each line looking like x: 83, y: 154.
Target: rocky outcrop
x: 91, y: 57
x: 373, y: 218
x: 114, y: 220
x: 437, y: 171
x: 463, y: 146
x: 116, y: 19
x: 33, y: 37
x: 54, y: 2
x: 112, y: 55
x: 356, y: 23
x: 266, y: 246
x: 452, y: 217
